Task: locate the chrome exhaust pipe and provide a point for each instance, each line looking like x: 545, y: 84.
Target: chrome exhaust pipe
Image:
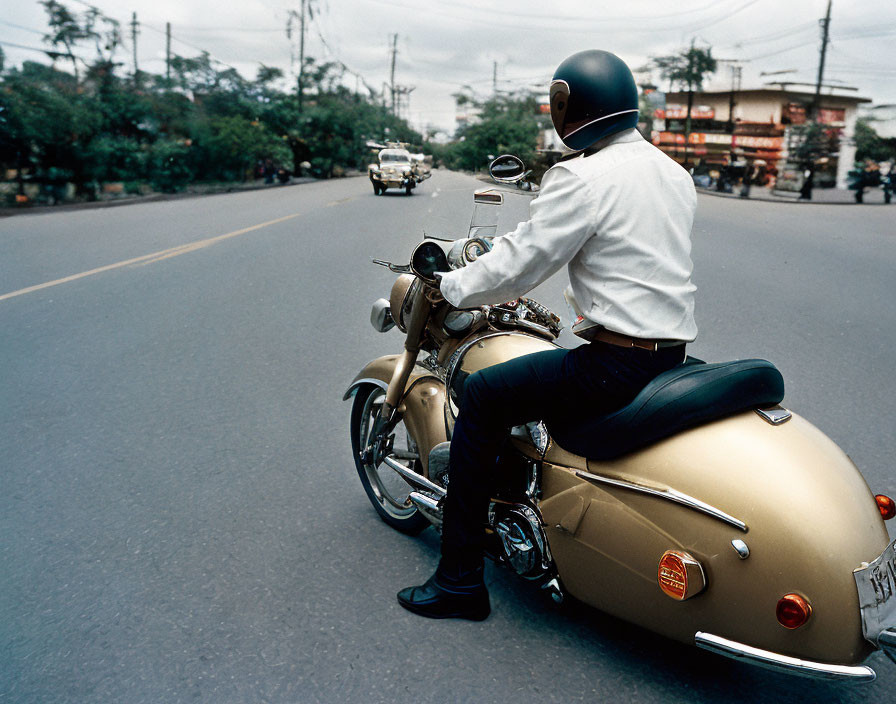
x: 428, y: 507
x: 425, y: 503
x: 413, y: 477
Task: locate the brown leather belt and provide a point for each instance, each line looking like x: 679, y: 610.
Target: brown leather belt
x: 598, y: 334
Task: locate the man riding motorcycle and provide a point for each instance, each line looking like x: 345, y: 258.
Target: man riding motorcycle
x: 619, y: 214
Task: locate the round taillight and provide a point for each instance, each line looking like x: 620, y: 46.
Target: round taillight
x: 886, y: 506
x: 793, y: 611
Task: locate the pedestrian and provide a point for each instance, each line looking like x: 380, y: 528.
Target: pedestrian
x: 619, y: 214
x: 808, y: 178
x: 722, y: 182
x: 889, y: 181
x: 748, y: 175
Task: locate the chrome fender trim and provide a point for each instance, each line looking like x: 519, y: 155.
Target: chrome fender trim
x: 359, y: 383
x: 667, y: 494
x: 783, y: 663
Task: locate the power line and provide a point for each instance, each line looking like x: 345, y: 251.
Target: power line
x: 502, y: 15
x: 18, y: 26
x: 700, y: 27
x: 781, y: 51
x: 787, y: 33
x: 580, y: 25
x: 49, y: 52
x: 260, y: 30
x: 192, y: 46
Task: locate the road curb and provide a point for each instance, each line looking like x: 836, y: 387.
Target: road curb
x: 152, y: 198
x: 780, y: 199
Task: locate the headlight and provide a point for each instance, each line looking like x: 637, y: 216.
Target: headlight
x: 400, y: 298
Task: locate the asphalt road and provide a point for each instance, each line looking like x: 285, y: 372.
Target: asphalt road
x: 180, y: 518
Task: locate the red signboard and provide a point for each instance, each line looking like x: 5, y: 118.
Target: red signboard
x: 795, y: 112
x: 741, y: 140
x: 832, y: 116
x: 680, y: 112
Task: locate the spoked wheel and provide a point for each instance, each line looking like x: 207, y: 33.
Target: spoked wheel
x: 387, y: 491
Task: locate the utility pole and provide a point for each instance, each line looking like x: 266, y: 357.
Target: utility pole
x: 392, y: 73
x: 494, y: 79
x: 825, y: 25
x: 809, y: 147
x: 736, y: 71
x: 134, y: 34
x: 687, y: 122
x: 300, y: 16
x: 168, y: 54
x: 302, y: 55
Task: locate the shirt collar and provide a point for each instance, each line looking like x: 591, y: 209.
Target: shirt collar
x: 629, y: 135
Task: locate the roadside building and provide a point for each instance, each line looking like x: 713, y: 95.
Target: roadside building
x: 759, y: 127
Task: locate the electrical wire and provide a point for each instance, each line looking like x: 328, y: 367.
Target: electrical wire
x: 554, y: 16
x: 18, y: 26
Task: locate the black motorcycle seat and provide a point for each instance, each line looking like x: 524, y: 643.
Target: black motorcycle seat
x: 689, y: 395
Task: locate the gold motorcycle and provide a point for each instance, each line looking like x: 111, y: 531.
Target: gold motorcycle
x: 703, y: 510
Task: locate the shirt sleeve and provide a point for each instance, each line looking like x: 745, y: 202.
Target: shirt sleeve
x: 560, y: 221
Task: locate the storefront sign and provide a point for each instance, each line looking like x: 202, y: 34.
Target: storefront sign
x: 741, y: 140
x: 695, y: 138
x: 832, y: 116
x: 680, y: 112
x: 795, y: 112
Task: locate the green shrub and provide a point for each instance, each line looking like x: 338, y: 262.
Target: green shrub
x: 169, y: 166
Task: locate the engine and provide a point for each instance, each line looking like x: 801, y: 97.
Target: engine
x: 519, y: 542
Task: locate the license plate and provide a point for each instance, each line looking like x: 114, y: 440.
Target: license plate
x: 877, y: 593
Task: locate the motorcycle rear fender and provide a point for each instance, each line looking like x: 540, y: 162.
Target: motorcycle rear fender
x: 422, y: 405
x: 810, y: 520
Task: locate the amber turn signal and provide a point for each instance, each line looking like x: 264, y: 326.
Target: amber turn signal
x: 679, y: 575
x: 793, y: 611
x: 886, y: 505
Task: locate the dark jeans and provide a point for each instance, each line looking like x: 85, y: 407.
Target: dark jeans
x: 596, y: 378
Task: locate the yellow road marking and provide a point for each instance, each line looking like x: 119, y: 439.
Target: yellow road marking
x: 149, y: 258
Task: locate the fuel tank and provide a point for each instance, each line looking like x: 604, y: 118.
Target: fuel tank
x: 484, y: 351
x: 765, y: 510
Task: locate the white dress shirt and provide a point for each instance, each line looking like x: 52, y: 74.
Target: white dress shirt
x: 621, y: 220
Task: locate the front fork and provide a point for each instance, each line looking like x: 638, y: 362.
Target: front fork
x: 380, y: 441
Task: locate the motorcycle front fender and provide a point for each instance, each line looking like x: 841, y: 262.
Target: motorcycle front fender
x: 422, y: 404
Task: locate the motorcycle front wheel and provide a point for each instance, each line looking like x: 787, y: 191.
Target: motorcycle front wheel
x: 385, y: 488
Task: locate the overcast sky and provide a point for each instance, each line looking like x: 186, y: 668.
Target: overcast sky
x: 446, y: 44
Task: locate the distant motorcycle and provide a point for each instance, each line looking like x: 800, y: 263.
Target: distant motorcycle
x: 703, y: 511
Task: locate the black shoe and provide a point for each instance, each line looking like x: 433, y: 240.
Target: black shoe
x: 442, y: 597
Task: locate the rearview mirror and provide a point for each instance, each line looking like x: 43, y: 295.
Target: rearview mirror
x: 507, y: 169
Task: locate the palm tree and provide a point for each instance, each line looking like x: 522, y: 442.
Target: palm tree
x: 688, y: 68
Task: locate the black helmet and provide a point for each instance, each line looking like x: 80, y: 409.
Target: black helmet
x: 593, y: 95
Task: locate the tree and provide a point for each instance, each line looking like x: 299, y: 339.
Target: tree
x: 688, y: 68
x: 208, y: 122
x: 870, y: 145
x: 236, y: 144
x: 65, y: 30
x: 505, y: 125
